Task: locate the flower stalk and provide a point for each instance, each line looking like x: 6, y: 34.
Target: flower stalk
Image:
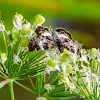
x: 10, y: 86
x: 25, y: 87
x: 5, y: 42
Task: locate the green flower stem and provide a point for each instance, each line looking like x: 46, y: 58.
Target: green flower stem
x: 39, y: 83
x: 10, y: 86
x: 85, y: 86
x: 5, y: 42
x: 49, y: 76
x: 31, y: 76
x: 53, y: 79
x: 3, y: 74
x: 31, y: 82
x: 47, y: 81
x: 39, y: 80
x: 25, y: 87
x: 79, y: 87
x: 44, y: 78
x: 38, y: 86
x: 97, y: 71
x: 95, y: 89
x: 92, y: 72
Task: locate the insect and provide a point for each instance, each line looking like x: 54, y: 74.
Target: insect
x: 49, y: 38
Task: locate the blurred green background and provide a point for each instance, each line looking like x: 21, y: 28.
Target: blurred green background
x: 80, y: 17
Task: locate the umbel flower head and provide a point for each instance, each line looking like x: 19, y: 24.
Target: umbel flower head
x: 15, y: 61
x: 79, y: 74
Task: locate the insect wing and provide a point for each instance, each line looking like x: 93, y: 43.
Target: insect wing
x: 64, y: 34
x: 73, y: 46
x: 41, y: 43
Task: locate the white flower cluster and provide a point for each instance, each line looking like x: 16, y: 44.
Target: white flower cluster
x: 49, y: 87
x: 52, y: 60
x: 17, y: 22
x: 23, y: 28
x: 76, y: 71
x: 16, y: 58
x: 2, y: 27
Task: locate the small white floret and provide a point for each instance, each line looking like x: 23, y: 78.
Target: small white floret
x: 49, y: 87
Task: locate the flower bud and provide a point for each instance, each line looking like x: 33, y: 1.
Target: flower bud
x: 18, y: 15
x: 68, y: 69
x: 94, y: 51
x: 65, y: 57
x: 52, y: 63
x: 25, y: 31
x: 26, y: 28
x: 66, y: 51
x: 39, y: 19
x: 62, y: 78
